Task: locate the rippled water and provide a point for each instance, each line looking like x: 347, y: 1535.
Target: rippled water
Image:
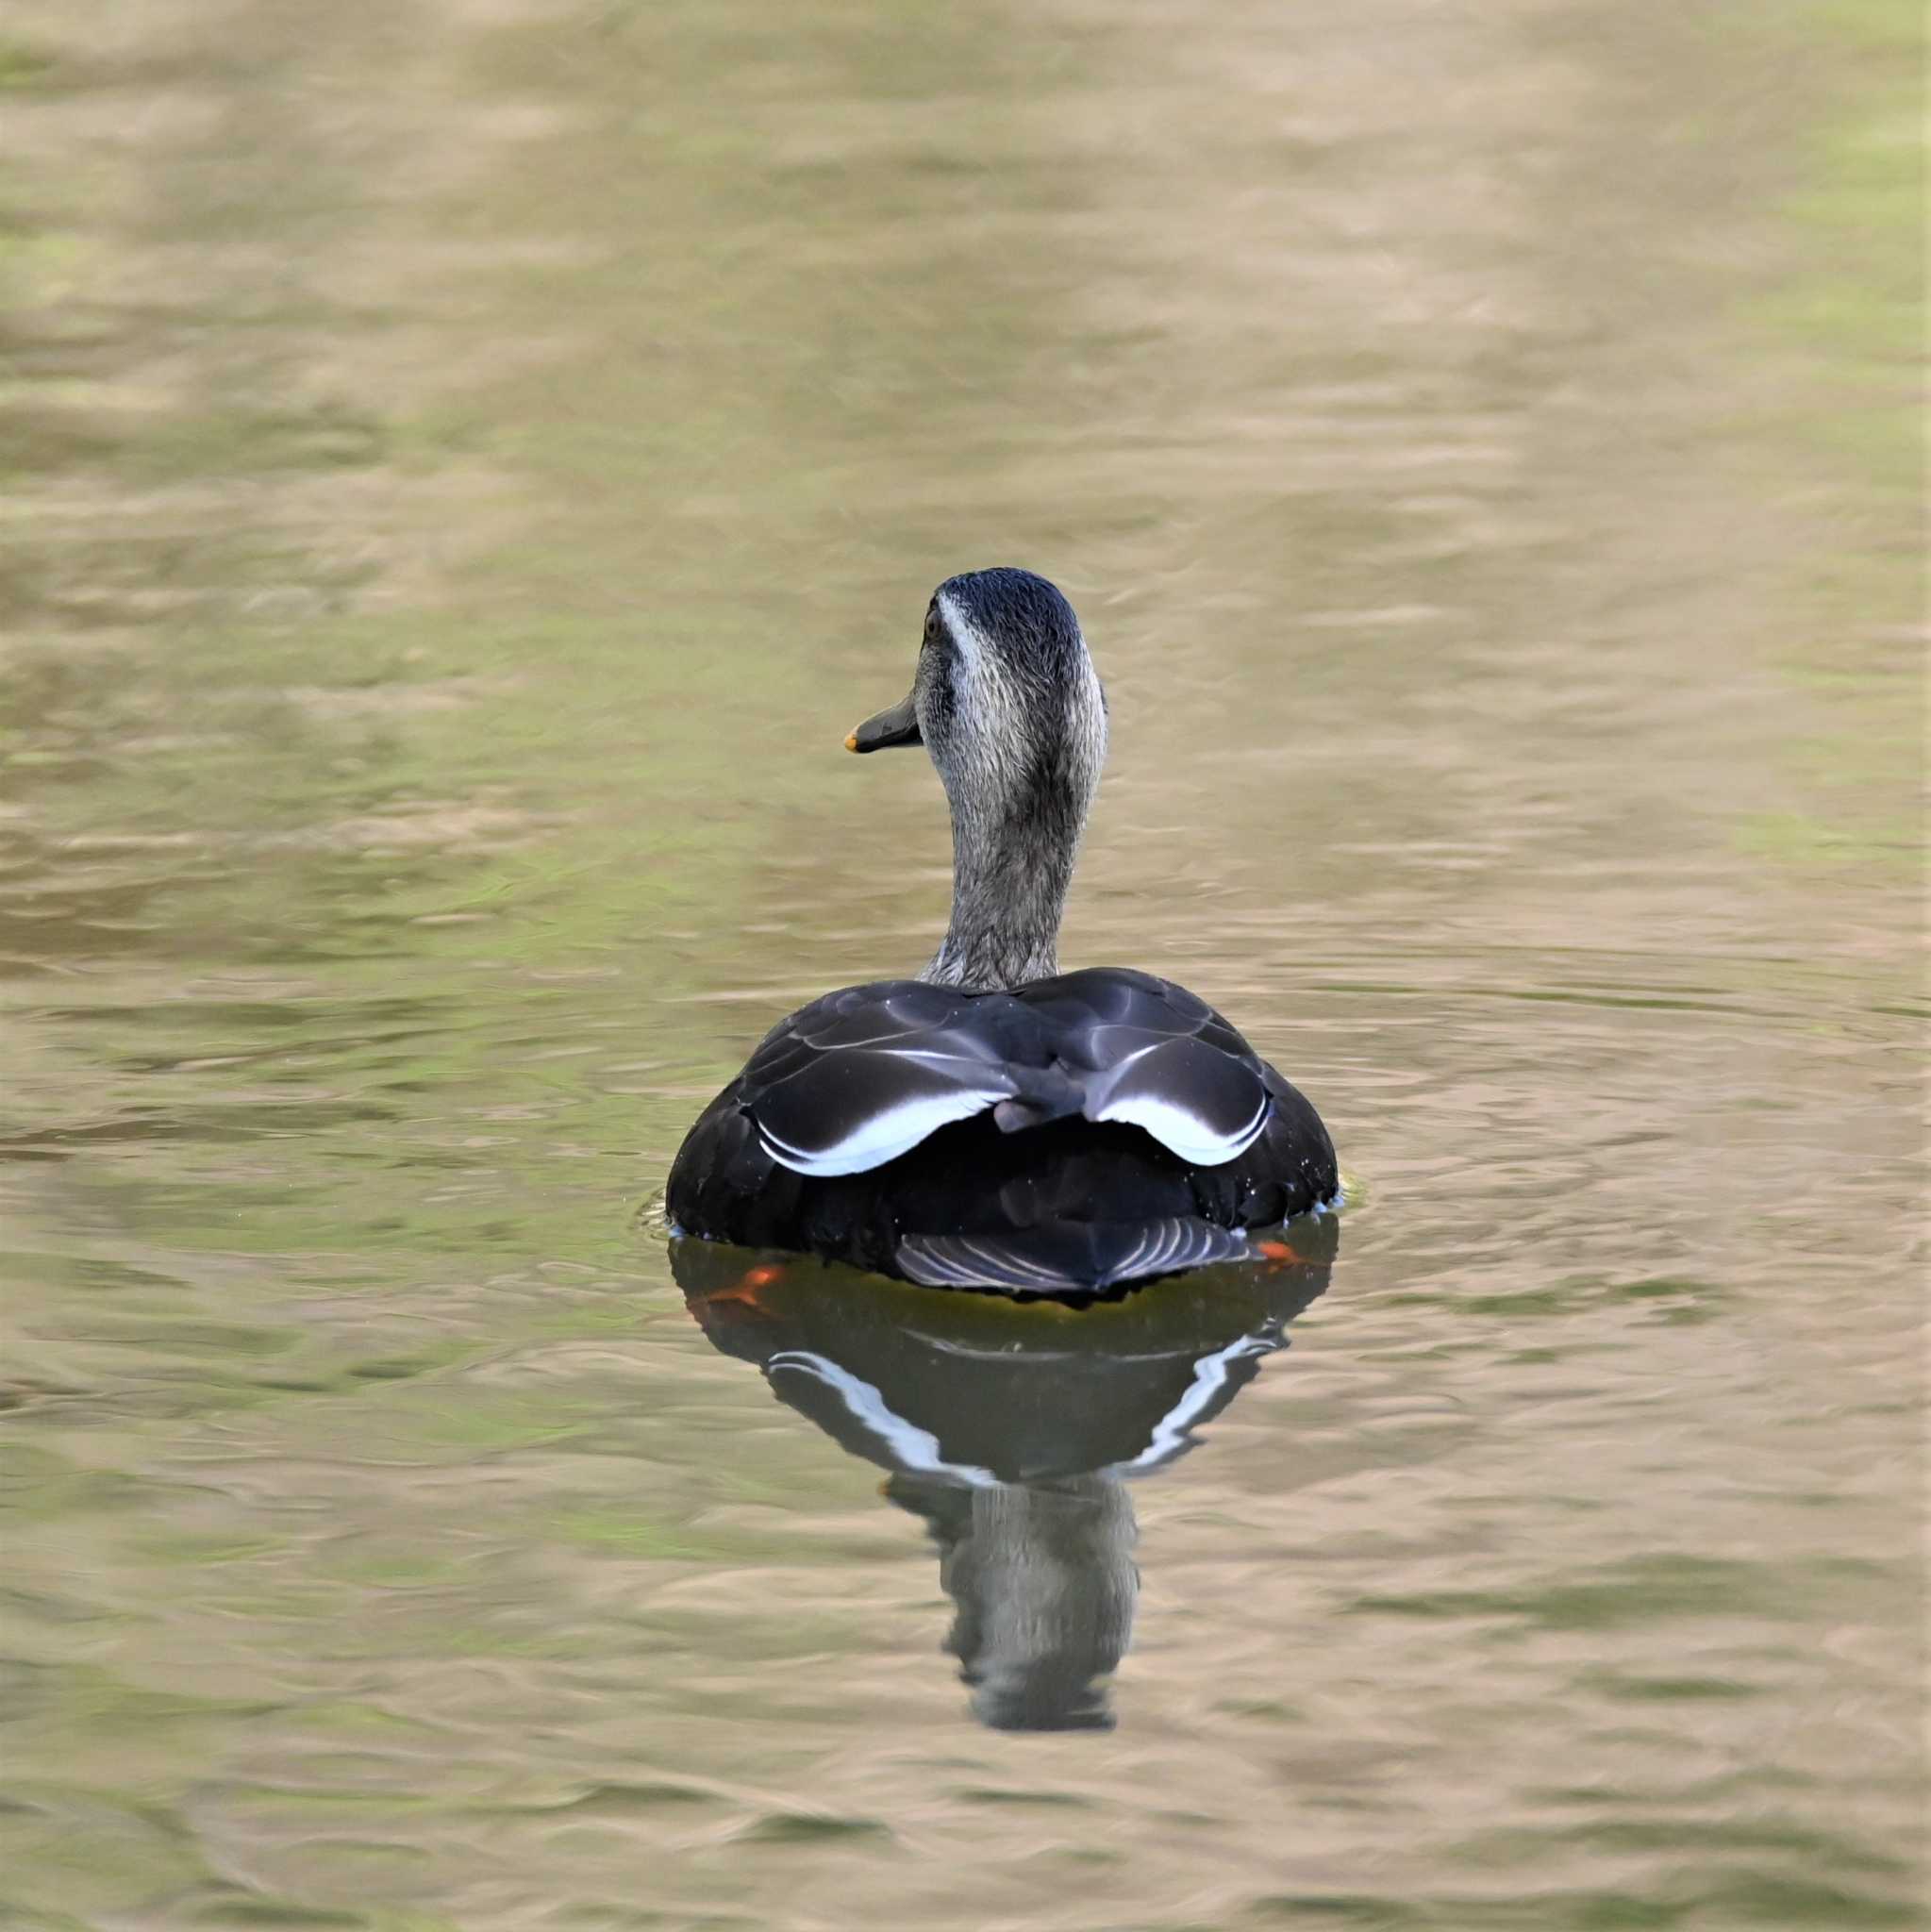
x: 469, y: 463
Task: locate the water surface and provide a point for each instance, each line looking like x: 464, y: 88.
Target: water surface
x: 469, y: 462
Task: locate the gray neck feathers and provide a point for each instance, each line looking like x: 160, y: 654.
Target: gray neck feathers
x: 1021, y: 761
x: 1009, y: 876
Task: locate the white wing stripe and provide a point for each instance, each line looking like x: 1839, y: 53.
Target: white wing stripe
x: 881, y: 1137
x: 1184, y: 1133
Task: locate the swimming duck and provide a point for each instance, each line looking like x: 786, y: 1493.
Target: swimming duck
x: 996, y: 1122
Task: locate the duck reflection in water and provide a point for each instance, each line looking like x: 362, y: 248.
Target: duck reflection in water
x: 1012, y: 1430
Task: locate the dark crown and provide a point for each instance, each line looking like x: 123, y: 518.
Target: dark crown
x: 1021, y: 615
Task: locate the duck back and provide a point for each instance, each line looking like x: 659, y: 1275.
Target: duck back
x: 1088, y: 1129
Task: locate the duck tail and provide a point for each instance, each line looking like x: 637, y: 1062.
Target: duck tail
x: 1070, y: 1257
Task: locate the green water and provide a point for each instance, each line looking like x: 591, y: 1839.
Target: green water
x: 467, y: 464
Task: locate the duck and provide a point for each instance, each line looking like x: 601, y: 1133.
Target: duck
x: 995, y: 1124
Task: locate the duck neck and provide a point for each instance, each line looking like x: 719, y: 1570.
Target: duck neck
x: 1010, y: 878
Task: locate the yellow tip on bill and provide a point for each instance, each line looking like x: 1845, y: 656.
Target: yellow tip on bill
x: 851, y: 741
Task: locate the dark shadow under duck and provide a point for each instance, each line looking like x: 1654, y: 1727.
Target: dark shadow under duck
x: 996, y: 1122
x: 1013, y: 1433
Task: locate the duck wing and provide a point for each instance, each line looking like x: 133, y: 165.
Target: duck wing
x: 864, y: 1075
x: 1086, y: 1130
x: 861, y: 1076
x: 1148, y: 1053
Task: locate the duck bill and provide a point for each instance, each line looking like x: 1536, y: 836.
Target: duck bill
x: 899, y: 726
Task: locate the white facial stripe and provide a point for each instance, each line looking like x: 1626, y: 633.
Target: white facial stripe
x: 965, y: 633
x: 883, y: 1135
x: 988, y: 697
x: 1182, y: 1132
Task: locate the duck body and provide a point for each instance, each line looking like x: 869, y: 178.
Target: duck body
x: 996, y: 1122
x: 1082, y: 1130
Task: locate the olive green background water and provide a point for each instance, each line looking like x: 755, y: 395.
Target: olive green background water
x: 468, y: 463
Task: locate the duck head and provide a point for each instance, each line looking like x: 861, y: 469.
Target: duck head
x: 1007, y: 702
